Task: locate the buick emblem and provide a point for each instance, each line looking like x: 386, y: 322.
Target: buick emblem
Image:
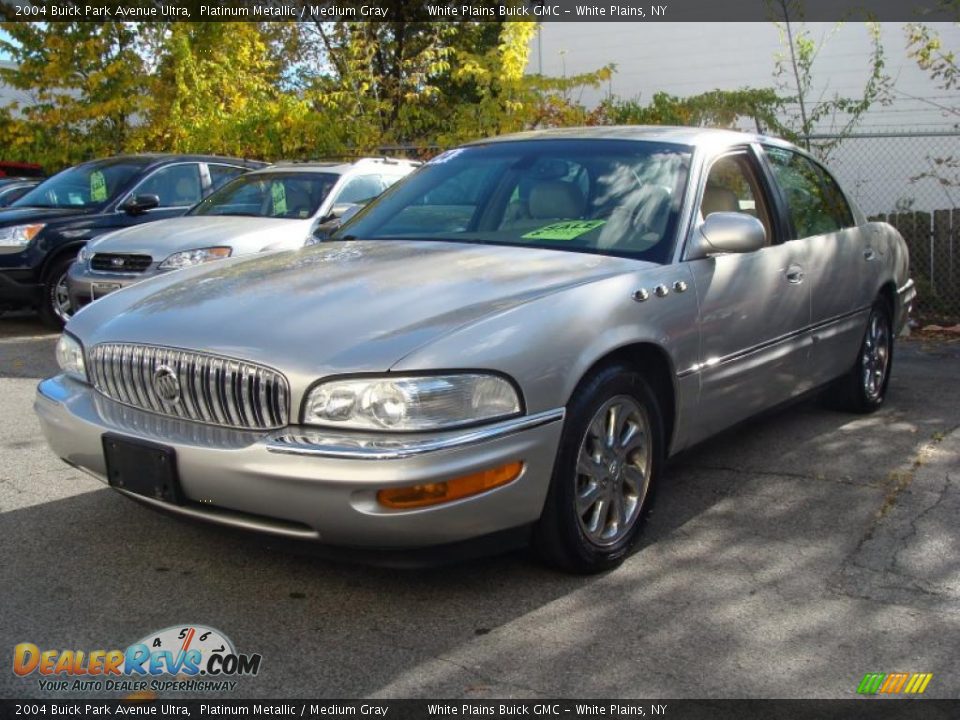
x: 116, y: 262
x: 166, y: 384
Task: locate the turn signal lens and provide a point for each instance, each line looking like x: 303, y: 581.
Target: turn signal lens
x: 425, y: 494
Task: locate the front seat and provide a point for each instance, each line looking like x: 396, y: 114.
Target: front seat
x: 556, y: 200
x: 718, y: 199
x: 186, y: 191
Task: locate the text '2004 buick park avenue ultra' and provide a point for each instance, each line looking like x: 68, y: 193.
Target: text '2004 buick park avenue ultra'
x: 506, y: 345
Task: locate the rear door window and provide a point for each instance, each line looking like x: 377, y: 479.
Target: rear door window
x: 815, y: 203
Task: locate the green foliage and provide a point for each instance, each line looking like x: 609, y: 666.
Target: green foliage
x: 716, y: 108
x: 85, y: 81
x: 835, y: 114
x: 218, y: 88
x: 925, y: 46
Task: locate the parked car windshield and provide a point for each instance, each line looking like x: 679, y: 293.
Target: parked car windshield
x: 88, y: 186
x: 610, y: 197
x: 276, y: 195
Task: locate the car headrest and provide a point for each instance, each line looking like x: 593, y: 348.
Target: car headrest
x: 556, y: 199
x: 718, y: 199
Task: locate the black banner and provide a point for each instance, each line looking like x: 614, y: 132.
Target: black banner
x: 474, y: 10
x: 874, y: 708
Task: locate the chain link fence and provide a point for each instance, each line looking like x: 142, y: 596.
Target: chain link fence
x: 912, y: 181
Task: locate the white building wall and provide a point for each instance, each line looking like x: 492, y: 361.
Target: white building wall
x: 689, y: 58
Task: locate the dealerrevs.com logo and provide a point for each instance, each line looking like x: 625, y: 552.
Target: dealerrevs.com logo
x: 182, y: 658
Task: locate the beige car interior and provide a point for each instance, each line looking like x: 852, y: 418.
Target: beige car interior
x: 732, y: 186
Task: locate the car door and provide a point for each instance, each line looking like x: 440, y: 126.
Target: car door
x: 841, y: 261
x: 178, y: 185
x: 754, y: 307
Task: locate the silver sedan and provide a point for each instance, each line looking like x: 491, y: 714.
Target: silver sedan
x: 506, y: 347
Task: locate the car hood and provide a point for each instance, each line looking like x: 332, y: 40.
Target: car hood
x: 163, y: 237
x: 21, y: 215
x: 355, y: 306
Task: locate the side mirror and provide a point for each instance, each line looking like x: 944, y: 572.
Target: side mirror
x: 139, y: 204
x: 342, y: 212
x: 727, y: 232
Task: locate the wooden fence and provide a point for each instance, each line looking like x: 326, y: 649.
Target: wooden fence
x: 934, y: 242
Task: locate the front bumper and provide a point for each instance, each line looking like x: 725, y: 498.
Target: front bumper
x: 18, y: 288
x: 300, y: 484
x: 83, y: 283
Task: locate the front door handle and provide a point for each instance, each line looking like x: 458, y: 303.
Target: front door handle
x: 794, y: 274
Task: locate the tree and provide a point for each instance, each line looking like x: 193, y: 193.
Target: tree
x: 85, y: 81
x: 219, y: 87
x: 415, y: 82
x: 815, y: 113
x: 925, y: 46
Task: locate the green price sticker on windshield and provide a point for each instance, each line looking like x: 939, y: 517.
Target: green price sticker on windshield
x: 279, y: 194
x: 98, y: 186
x: 567, y: 230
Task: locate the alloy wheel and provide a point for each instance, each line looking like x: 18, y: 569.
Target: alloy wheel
x: 60, y: 299
x: 875, y: 356
x: 614, y: 465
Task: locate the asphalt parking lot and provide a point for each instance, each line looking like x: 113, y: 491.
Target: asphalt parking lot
x: 784, y: 559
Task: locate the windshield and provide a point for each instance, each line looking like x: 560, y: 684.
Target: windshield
x: 295, y: 195
x: 91, y: 185
x: 609, y: 197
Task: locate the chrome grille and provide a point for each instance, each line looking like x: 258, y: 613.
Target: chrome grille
x: 209, y: 388
x: 120, y: 263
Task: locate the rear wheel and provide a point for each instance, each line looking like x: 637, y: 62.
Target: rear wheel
x: 864, y: 387
x: 608, y: 459
x: 55, y: 306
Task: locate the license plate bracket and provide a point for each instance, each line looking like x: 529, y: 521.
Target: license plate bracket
x: 99, y: 289
x: 142, y: 467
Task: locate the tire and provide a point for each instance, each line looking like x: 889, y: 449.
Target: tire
x: 55, y: 308
x: 600, y: 491
x: 864, y: 388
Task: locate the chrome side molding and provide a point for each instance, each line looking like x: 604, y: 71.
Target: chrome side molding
x: 318, y: 442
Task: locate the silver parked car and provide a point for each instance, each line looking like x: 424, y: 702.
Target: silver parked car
x: 277, y: 208
x: 507, y: 345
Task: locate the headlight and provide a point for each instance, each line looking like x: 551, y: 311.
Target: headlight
x: 19, y: 236
x: 187, y: 258
x: 85, y: 254
x: 411, y: 403
x: 70, y: 357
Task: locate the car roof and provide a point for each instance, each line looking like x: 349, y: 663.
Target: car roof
x: 150, y: 159
x: 690, y: 136
x: 339, y: 167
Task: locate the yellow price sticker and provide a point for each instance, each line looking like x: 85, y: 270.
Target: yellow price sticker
x: 98, y: 186
x: 279, y: 195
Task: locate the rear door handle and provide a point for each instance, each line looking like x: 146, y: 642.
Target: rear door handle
x: 794, y: 274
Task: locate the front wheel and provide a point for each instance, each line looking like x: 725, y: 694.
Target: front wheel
x: 609, y: 456
x: 55, y: 306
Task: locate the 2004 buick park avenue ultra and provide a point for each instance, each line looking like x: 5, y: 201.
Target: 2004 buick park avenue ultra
x: 508, y: 343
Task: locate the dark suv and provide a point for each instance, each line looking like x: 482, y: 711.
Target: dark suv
x: 41, y: 233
